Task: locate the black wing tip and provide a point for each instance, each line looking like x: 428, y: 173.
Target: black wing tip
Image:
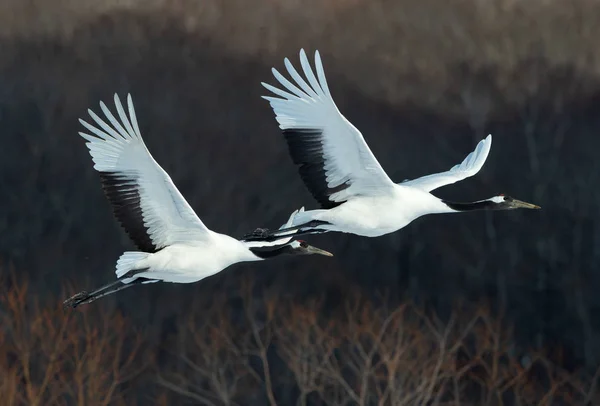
x: 121, y: 190
x: 306, y: 149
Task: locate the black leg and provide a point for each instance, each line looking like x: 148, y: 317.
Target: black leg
x: 87, y: 297
x: 264, y: 234
x: 78, y: 298
x: 302, y: 229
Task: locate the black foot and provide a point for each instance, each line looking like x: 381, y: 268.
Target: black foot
x: 76, y: 300
x: 258, y: 234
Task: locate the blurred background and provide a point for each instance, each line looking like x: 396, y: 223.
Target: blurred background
x: 423, y: 81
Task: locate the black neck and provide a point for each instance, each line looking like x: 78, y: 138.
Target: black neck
x: 481, y: 205
x: 271, y: 252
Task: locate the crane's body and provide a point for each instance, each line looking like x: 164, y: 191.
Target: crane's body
x: 373, y: 216
x: 343, y: 175
x: 175, y: 245
x: 192, y: 261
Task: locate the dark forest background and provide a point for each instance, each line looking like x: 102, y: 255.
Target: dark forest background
x: 423, y: 80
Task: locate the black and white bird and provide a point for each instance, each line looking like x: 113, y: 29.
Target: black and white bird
x: 175, y: 246
x: 343, y: 175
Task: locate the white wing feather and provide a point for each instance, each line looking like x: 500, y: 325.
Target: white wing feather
x: 119, y: 148
x: 468, y: 167
x: 347, y: 157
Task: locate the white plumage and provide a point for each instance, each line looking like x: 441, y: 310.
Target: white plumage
x: 175, y: 245
x: 341, y: 172
x: 120, y: 151
x: 467, y: 168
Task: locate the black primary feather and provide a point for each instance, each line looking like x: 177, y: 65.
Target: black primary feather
x: 306, y: 148
x: 122, y: 190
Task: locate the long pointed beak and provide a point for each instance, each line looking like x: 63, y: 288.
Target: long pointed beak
x: 314, y: 250
x: 524, y: 205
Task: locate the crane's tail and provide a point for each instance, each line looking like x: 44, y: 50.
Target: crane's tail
x: 128, y: 262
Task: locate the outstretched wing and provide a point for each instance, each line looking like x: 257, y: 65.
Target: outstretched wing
x: 335, y: 161
x: 143, y: 197
x: 468, y: 167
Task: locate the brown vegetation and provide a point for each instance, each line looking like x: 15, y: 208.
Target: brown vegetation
x: 53, y: 357
x: 278, y: 353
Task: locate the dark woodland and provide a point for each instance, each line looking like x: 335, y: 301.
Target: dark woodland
x: 488, y: 308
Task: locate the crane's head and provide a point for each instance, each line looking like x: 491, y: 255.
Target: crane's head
x: 500, y: 202
x: 503, y: 202
x: 301, y: 247
x: 268, y: 250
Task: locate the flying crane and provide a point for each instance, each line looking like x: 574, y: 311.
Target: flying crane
x: 343, y: 175
x: 175, y: 245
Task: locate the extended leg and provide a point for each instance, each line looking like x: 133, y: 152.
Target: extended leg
x: 80, y: 297
x: 87, y: 297
x: 264, y: 234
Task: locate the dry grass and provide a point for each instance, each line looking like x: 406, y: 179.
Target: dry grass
x: 270, y: 351
x: 52, y: 357
x: 362, y: 354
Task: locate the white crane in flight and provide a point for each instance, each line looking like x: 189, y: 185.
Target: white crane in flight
x: 343, y: 175
x: 175, y: 246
